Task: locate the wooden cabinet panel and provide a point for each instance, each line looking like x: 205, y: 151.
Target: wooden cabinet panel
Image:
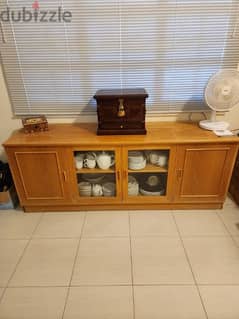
x: 39, y: 175
x: 202, y: 172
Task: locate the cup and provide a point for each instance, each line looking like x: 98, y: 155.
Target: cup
x: 162, y: 160
x: 154, y: 157
x: 79, y: 158
x: 158, y: 158
x: 89, y: 163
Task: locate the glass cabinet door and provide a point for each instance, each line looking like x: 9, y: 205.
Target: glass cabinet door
x: 97, y: 176
x: 147, y: 173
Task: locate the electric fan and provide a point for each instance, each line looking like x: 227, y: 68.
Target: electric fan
x: 221, y: 95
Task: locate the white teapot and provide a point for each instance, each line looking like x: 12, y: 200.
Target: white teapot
x: 105, y: 160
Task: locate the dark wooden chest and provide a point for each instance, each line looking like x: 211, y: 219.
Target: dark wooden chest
x: 121, y: 111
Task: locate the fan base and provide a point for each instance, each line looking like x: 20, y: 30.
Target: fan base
x: 214, y: 125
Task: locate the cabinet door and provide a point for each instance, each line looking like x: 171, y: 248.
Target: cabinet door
x: 96, y: 175
x: 203, y: 172
x: 148, y: 174
x: 40, y: 175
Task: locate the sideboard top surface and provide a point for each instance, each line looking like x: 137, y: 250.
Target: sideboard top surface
x: 85, y: 134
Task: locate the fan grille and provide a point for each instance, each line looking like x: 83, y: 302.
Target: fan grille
x: 222, y: 91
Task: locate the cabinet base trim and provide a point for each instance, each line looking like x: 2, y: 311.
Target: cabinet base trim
x: 122, y: 207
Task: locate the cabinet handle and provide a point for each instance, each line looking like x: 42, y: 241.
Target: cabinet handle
x: 64, y: 176
x: 125, y: 174
x: 118, y: 175
x: 179, y: 173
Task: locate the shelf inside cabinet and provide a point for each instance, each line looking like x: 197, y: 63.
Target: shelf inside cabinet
x: 95, y: 171
x: 150, y: 168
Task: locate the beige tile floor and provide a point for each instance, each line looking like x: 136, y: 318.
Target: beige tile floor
x: 120, y: 265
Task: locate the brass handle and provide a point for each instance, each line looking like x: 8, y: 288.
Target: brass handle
x: 64, y: 176
x: 121, y: 110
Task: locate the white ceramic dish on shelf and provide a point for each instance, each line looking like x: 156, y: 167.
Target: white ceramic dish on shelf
x: 137, y: 166
x: 85, y: 189
x: 133, y: 186
x: 109, y: 189
x: 147, y: 193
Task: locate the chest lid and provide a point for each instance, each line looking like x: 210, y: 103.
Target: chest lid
x: 120, y: 93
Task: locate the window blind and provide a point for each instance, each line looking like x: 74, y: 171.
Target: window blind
x: 168, y: 47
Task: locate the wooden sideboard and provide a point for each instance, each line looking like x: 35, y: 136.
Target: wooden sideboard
x: 234, y: 186
x: 197, y: 175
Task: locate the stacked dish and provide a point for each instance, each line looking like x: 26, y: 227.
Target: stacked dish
x: 108, y: 189
x: 133, y: 186
x: 136, y: 160
x: 84, y: 189
x: 148, y: 193
x: 152, y: 186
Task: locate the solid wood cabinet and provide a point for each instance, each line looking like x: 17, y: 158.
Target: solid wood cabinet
x: 175, y: 166
x: 40, y: 175
x: 202, y: 172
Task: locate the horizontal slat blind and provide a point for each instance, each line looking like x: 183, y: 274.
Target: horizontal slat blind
x: 169, y: 47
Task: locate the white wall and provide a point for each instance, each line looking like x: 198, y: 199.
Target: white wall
x: 8, y: 123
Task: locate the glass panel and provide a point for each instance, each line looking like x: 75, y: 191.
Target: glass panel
x: 95, y: 173
x: 147, y: 172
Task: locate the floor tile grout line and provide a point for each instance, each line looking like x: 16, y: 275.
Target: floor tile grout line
x: 119, y: 237
x: 232, y: 237
x: 35, y: 228
x: 191, y: 268
x: 73, y: 267
x: 20, y: 259
x: 131, y: 263
x: 123, y: 285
